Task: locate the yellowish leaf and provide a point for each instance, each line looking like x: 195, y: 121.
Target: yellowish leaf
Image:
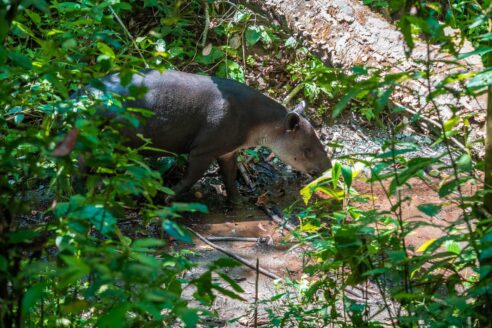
x: 426, y: 245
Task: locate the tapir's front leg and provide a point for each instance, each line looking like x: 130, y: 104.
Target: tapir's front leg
x: 197, y: 165
x: 228, y: 169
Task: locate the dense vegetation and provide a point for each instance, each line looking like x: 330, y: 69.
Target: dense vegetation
x: 67, y: 183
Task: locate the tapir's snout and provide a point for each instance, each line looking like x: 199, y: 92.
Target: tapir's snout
x: 323, y: 166
x: 326, y: 165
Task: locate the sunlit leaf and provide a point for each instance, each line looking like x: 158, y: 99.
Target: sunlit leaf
x: 252, y: 35
x: 425, y: 245
x: 481, y: 80
x: 464, y: 163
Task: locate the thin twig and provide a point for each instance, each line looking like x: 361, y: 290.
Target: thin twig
x: 256, y: 291
x: 207, y: 23
x: 245, y: 175
x: 292, y: 94
x: 245, y: 239
x: 277, y: 219
x: 234, y: 256
x: 129, y: 35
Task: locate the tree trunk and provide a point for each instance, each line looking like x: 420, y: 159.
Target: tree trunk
x: 488, y: 138
x: 487, y: 262
x: 345, y: 33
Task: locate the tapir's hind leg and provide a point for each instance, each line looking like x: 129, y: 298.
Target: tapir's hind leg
x: 228, y: 169
x: 195, y: 170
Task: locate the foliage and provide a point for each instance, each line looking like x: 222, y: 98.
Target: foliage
x: 68, y: 184
x: 69, y: 187
x: 445, y: 281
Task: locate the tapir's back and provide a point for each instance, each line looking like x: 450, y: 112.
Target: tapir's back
x: 189, y: 108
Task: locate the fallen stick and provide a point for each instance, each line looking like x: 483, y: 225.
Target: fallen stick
x: 277, y: 219
x: 246, y: 239
x: 245, y: 175
x: 256, y: 291
x: 431, y: 122
x: 234, y: 256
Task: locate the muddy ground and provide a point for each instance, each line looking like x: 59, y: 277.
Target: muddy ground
x: 279, y: 186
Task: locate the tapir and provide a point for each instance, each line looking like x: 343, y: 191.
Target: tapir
x: 212, y: 118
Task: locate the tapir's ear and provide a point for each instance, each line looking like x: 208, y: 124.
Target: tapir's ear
x: 300, y: 107
x: 292, y: 121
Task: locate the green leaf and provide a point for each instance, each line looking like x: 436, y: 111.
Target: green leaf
x: 174, y: 230
x: 481, y: 80
x: 3, y: 264
x: 20, y: 60
x: 406, y: 30
x: 68, y: 6
x: 252, y: 35
x: 32, y: 296
x: 69, y: 44
x: 451, y: 123
x: 231, y: 282
x: 359, y: 70
x: 188, y: 316
x: 3, y: 54
x: 430, y: 209
x: 452, y: 247
x: 479, y: 51
x: 340, y: 106
x: 347, y: 175
x: 214, y: 56
x: 413, y: 167
x: 231, y: 70
x: 189, y: 207
x: 116, y: 317
x: 147, y: 260
x: 335, y: 174
x: 4, y: 29
x: 105, y: 49
x: 448, y: 187
x: 102, y: 219
x: 18, y: 118
x: 147, y: 243
x: 465, y: 163
x: 22, y: 236
x: 382, y: 100
x: 228, y: 293
x: 375, y: 272
x: 226, y: 262
x: 57, y: 84
x: 34, y: 16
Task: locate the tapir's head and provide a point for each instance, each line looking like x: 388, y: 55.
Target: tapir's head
x: 298, y: 145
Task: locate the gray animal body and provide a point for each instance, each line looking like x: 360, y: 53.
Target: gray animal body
x: 211, y: 119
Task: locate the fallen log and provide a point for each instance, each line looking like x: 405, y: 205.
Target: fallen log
x: 345, y: 33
